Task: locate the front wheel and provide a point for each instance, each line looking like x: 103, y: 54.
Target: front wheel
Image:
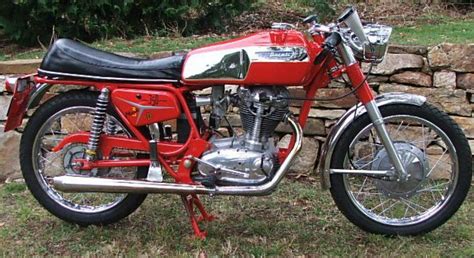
x: 435, y: 154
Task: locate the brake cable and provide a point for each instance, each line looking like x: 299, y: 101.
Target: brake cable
x: 338, y: 97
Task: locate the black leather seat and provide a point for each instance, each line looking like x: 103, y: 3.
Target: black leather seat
x: 68, y: 58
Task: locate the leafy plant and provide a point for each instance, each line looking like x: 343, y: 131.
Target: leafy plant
x: 27, y: 21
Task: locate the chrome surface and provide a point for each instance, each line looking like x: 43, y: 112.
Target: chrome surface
x: 344, y: 122
x: 155, y: 173
x: 84, y: 184
x: 378, y: 122
x: 203, y: 101
x: 37, y: 94
x: 261, y: 110
x: 48, y: 164
x: 282, y: 26
x: 235, y: 63
x: 433, y: 172
x: 414, y: 160
x: 232, y: 162
x: 376, y: 46
x: 103, y: 78
x: 98, y: 123
x: 361, y: 172
x: 350, y: 17
x: 346, y: 54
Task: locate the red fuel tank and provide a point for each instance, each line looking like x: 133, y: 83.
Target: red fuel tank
x: 275, y: 57
x: 143, y: 107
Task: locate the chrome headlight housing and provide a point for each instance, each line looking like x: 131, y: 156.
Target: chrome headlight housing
x: 375, y: 48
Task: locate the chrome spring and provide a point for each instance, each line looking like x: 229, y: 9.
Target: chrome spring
x: 111, y: 128
x: 98, y: 123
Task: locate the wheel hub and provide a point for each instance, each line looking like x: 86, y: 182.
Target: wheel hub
x: 415, y: 163
x: 72, y: 153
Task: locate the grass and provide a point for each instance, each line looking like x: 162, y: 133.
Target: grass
x: 144, y: 46
x: 460, y: 32
x: 299, y: 218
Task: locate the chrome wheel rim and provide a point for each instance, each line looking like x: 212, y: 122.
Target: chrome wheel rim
x: 437, y: 174
x: 47, y: 164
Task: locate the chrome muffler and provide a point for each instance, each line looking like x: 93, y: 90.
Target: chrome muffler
x: 105, y: 185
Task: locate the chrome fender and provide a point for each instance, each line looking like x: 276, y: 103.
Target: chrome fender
x: 346, y: 119
x: 37, y: 94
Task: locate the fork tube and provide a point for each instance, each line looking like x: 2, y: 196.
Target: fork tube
x: 377, y: 120
x: 365, y: 95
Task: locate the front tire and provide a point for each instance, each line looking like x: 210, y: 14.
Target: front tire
x: 439, y: 161
x: 60, y: 116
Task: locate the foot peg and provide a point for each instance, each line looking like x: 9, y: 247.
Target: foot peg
x: 207, y: 181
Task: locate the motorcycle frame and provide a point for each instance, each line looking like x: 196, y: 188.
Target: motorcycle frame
x: 170, y: 153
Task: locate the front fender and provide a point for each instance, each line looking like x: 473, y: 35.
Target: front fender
x: 346, y: 119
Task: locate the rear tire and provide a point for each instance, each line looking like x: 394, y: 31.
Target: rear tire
x: 44, y: 193
x: 430, y: 219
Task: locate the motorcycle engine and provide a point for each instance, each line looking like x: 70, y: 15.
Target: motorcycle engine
x: 249, y: 159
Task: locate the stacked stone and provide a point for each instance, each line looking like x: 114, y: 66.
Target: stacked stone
x: 444, y: 74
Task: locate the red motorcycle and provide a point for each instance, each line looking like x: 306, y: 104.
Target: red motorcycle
x: 393, y: 163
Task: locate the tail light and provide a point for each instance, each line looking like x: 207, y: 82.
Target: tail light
x: 10, y: 84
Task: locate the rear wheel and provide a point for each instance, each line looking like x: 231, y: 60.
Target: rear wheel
x: 436, y: 155
x: 59, y: 117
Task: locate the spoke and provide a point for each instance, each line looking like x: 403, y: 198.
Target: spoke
x: 442, y: 155
x: 389, y: 207
x: 366, y: 164
x: 379, y: 205
x: 408, y: 202
x: 360, y: 189
x: 399, y: 131
x: 423, y: 136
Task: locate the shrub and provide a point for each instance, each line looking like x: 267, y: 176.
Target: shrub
x: 27, y: 21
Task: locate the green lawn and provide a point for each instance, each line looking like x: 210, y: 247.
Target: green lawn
x: 297, y: 219
x: 460, y: 32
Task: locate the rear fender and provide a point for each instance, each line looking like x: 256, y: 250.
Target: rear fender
x: 345, y: 121
x: 23, y: 89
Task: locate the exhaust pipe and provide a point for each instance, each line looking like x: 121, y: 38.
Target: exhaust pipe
x: 105, y: 185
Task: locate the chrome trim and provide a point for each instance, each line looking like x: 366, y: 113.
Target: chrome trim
x: 377, y: 121
x: 282, y: 26
x: 91, y: 184
x: 203, y: 101
x: 235, y: 63
x: 361, y: 172
x: 348, y: 117
x: 104, y: 78
x: 37, y: 94
x: 346, y: 54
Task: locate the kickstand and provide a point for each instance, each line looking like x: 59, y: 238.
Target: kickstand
x: 189, y: 202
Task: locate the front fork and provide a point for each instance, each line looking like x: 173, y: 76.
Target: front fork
x: 365, y: 95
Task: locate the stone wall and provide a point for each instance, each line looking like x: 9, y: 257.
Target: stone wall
x: 444, y: 74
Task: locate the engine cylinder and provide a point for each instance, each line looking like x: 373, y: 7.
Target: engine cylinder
x: 266, y: 105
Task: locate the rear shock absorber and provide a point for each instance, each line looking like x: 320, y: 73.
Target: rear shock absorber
x: 97, y: 124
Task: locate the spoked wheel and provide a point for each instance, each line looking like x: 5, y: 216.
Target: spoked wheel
x: 434, y: 152
x: 52, y: 122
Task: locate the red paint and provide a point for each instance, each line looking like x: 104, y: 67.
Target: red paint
x: 144, y: 107
x: 356, y: 76
x: 19, y: 103
x: 165, y: 101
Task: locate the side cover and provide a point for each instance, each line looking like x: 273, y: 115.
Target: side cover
x: 345, y: 121
x: 143, y: 107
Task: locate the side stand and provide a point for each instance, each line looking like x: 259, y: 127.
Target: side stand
x: 191, y: 201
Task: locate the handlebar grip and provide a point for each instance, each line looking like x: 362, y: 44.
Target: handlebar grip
x: 332, y: 41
